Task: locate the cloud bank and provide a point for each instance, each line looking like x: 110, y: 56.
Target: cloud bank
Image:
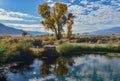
x: 92, y: 16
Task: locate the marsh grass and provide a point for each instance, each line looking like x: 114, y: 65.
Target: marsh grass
x: 68, y: 48
x: 10, y: 52
x: 114, y: 54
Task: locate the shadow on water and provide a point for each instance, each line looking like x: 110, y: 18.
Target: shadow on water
x: 78, y: 68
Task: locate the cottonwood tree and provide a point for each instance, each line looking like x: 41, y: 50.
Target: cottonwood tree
x: 55, y: 17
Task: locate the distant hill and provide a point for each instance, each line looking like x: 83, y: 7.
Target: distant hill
x: 12, y: 31
x: 35, y: 33
x: 115, y: 30
x: 9, y: 30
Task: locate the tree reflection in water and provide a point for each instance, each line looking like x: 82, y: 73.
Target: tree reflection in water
x: 81, y: 68
x: 60, y: 66
x: 45, y: 69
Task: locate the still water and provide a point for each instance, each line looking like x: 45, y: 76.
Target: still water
x: 78, y: 68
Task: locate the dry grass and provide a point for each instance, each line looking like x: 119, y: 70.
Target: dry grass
x: 38, y: 51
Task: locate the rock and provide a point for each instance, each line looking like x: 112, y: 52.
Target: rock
x: 50, y: 51
x: 50, y: 47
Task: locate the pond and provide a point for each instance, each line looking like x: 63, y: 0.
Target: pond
x: 78, y: 68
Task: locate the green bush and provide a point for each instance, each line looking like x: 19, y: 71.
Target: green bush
x: 15, y: 52
x: 66, y: 48
x: 3, y: 48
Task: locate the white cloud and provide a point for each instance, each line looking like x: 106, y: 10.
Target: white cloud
x: 5, y: 17
x: 49, y: 1
x: 115, y: 2
x: 16, y: 16
x: 106, y: 16
x: 23, y: 25
x: 72, y: 1
x: 76, y: 9
x: 27, y: 27
x: 19, y: 14
x: 84, y: 2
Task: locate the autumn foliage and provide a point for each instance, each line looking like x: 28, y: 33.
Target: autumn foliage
x: 55, y: 17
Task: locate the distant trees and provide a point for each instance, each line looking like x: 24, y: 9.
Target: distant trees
x: 56, y: 17
x: 24, y: 34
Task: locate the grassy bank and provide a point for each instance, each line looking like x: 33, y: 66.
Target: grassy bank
x: 16, y: 48
x: 69, y: 49
x: 14, y: 52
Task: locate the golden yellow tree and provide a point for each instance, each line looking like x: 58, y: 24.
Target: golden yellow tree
x: 54, y: 17
x: 69, y: 28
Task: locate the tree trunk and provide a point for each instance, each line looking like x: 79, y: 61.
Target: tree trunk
x: 58, y: 37
x: 56, y: 34
x: 59, y: 32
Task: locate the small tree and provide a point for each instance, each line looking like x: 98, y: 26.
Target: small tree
x: 24, y: 34
x: 54, y: 17
x: 69, y: 28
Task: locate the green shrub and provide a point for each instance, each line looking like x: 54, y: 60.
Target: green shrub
x: 66, y: 48
x: 10, y: 52
x: 3, y: 49
x: 19, y: 52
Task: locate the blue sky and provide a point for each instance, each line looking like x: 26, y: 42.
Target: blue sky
x: 91, y: 15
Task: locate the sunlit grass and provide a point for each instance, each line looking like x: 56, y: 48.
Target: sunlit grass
x: 68, y: 48
x: 114, y: 54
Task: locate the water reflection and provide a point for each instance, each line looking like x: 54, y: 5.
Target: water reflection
x: 3, y: 78
x: 60, y: 66
x: 96, y: 68
x: 45, y: 69
x: 80, y: 68
x: 21, y: 68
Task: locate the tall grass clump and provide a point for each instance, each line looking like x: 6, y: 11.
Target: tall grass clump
x: 2, y: 52
x: 2, y: 48
x: 66, y: 48
x: 23, y: 46
x: 25, y: 53
x: 13, y: 52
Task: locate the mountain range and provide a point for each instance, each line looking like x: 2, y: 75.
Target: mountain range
x: 35, y: 33
x: 114, y: 30
x: 12, y: 31
x: 9, y: 30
